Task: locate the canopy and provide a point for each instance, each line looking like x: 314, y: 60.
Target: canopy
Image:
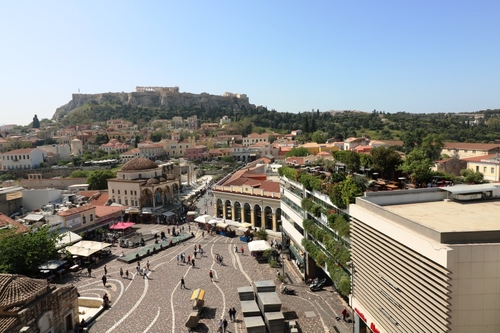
x: 52, y: 265
x: 68, y: 237
x: 167, y: 214
x: 121, y: 225
x: 258, y: 245
x: 221, y: 225
x: 466, y: 189
x: 86, y: 248
x: 212, y: 221
x: 203, y: 218
x: 191, y: 213
x: 245, y: 225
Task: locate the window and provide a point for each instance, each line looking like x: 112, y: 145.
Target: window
x: 477, y: 168
x: 126, y: 202
x: 484, y: 169
x: 84, y: 218
x: 119, y: 201
x: 125, y: 192
x: 118, y: 191
x: 113, y: 191
x: 492, y: 170
x: 91, y: 217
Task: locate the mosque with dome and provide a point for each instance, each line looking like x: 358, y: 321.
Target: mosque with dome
x: 143, y: 183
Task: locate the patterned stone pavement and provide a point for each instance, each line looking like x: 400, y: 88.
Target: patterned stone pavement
x: 157, y: 304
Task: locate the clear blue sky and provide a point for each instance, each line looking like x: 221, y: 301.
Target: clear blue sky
x: 415, y: 56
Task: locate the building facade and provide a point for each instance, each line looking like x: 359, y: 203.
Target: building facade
x: 248, y: 196
x: 426, y: 260
x: 29, y: 158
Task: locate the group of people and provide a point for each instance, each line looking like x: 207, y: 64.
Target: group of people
x: 222, y: 327
x: 219, y: 259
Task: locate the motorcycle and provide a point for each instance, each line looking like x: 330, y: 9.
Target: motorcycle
x: 318, y: 285
x: 287, y: 291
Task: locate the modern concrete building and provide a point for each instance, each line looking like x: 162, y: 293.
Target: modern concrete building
x: 426, y: 260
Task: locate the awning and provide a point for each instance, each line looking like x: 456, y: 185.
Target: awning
x: 52, y: 265
x: 258, y: 245
x: 203, y: 218
x: 34, y: 217
x: 68, y: 238
x: 121, y: 225
x: 86, y: 248
x: 463, y: 189
x: 191, y: 213
x: 167, y: 214
x: 221, y: 225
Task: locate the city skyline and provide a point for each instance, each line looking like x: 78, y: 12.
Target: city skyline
x: 288, y: 56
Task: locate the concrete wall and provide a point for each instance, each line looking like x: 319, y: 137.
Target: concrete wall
x: 57, y: 183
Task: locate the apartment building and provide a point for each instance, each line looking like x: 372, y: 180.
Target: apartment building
x: 29, y: 158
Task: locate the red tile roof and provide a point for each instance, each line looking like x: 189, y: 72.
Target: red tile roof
x: 470, y: 146
x: 5, y: 220
x: 74, y: 210
x: 493, y: 158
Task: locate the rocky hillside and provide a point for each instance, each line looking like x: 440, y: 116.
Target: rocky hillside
x: 123, y: 103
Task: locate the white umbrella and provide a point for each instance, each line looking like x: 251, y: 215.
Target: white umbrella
x: 203, y: 218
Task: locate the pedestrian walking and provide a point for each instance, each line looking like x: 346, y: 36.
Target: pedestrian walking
x: 221, y: 324
x: 147, y: 265
x: 104, y: 279
x: 192, y: 262
x: 183, y: 285
x: 177, y: 258
x: 126, y: 273
x: 344, y: 314
x: 189, y: 258
x: 203, y: 234
x: 89, y: 270
x: 234, y: 314
x: 144, y: 273
x: 230, y: 311
x: 138, y: 268
x: 105, y: 270
x: 242, y: 250
x: 194, y: 254
x: 224, y: 324
x: 121, y: 272
x: 235, y: 248
x: 211, y: 275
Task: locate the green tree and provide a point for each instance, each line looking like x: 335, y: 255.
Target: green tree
x: 36, y: 122
x: 385, y: 160
x: 23, y: 253
x: 350, y: 158
x: 432, y: 145
x: 319, y: 137
x: 342, y: 194
x: 157, y: 136
x: 227, y: 159
x: 97, y: 180
x: 79, y: 174
x: 472, y: 177
x: 297, y: 151
x: 417, y: 165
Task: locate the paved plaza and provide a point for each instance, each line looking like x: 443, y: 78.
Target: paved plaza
x: 158, y: 304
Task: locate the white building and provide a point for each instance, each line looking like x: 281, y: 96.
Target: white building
x: 63, y: 150
x: 426, y: 260
x: 29, y: 158
x: 36, y: 198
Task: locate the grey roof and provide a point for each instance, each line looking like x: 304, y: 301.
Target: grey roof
x: 463, y: 189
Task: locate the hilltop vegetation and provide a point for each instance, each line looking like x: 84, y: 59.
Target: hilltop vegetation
x: 339, y: 125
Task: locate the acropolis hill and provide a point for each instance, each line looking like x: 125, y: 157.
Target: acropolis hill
x: 157, y: 97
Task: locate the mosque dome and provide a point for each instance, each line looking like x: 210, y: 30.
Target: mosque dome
x: 139, y: 163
